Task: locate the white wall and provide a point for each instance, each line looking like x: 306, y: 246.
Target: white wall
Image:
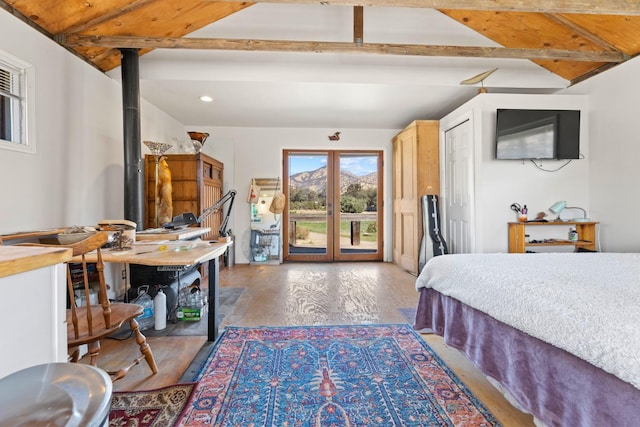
x: 257, y: 153
x: 76, y: 176
x: 614, y: 138
x: 499, y: 183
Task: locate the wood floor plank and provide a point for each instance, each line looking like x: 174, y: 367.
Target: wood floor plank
x: 295, y: 294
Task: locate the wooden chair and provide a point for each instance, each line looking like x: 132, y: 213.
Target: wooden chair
x: 92, y: 323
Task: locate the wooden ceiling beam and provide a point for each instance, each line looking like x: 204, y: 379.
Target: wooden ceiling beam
x: 75, y: 40
x: 590, y: 7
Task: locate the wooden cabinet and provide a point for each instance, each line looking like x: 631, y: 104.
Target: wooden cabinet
x: 518, y: 230
x: 197, y: 184
x: 416, y: 172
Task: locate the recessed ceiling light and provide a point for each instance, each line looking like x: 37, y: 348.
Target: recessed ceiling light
x: 206, y: 98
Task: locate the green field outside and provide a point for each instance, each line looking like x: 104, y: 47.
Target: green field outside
x: 345, y: 229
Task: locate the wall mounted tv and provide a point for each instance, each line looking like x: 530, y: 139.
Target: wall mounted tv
x: 537, y: 134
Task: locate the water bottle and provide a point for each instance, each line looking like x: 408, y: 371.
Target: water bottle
x: 160, y: 312
x: 195, y: 299
x: 145, y: 320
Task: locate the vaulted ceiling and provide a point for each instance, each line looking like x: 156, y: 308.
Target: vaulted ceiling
x: 573, y: 39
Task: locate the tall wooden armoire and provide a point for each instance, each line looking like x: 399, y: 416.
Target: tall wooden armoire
x: 416, y: 172
x: 197, y: 184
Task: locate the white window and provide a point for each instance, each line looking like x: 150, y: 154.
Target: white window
x: 16, y: 104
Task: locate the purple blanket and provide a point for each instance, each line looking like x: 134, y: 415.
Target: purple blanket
x: 556, y: 387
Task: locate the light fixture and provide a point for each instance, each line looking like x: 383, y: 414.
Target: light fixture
x: 206, y: 98
x: 558, y: 207
x: 198, y: 139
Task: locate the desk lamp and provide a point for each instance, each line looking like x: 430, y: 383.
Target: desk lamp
x: 558, y: 207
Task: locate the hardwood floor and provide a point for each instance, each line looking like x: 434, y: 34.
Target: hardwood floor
x: 305, y: 294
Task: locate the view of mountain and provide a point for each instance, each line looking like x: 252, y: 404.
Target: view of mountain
x: 316, y: 179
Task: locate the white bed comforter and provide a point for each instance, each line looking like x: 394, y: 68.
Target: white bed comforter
x: 585, y: 303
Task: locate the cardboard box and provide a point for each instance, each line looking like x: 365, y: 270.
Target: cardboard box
x: 188, y: 314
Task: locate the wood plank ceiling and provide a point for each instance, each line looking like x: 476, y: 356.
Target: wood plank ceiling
x: 571, y: 38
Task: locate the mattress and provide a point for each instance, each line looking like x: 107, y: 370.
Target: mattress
x: 558, y: 388
x: 584, y: 303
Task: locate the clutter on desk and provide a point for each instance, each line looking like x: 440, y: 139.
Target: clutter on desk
x: 521, y: 211
x: 540, y: 217
x: 75, y: 234
x: 124, y: 233
x: 121, y: 242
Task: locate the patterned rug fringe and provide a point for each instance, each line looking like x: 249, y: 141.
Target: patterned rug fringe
x: 151, y: 408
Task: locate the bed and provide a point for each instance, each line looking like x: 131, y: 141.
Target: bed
x: 559, y: 332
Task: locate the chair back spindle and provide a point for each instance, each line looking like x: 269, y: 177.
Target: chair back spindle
x: 91, y: 323
x: 102, y: 293
x: 72, y: 303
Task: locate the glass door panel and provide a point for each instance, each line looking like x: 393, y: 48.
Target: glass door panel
x: 309, y: 228
x: 357, y: 221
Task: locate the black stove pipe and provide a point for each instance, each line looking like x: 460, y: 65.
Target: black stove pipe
x: 133, y: 165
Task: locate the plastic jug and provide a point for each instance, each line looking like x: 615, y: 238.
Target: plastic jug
x: 145, y: 320
x: 160, y: 312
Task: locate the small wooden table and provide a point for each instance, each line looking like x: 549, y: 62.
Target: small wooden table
x: 177, y: 253
x: 586, y: 235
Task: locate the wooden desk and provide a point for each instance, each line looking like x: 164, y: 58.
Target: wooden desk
x: 165, y: 234
x: 31, y: 234
x: 178, y: 253
x: 19, y: 259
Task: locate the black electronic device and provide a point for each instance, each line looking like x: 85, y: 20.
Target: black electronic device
x: 182, y: 220
x: 188, y: 218
x: 523, y: 134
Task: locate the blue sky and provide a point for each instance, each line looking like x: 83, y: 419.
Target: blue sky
x: 358, y: 165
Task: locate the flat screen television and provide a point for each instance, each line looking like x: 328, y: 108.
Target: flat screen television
x: 537, y: 134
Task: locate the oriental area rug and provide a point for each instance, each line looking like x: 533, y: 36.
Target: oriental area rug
x: 154, y: 408
x: 359, y: 375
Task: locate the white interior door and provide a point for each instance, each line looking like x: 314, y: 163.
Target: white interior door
x: 459, y: 188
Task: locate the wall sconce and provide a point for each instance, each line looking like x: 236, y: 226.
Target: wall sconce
x: 558, y: 207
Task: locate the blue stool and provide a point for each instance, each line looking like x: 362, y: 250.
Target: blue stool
x: 56, y: 394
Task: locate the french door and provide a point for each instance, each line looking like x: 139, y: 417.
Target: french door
x: 334, y: 205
